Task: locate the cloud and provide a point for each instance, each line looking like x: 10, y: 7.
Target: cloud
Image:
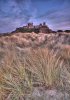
x: 13, y: 14
x: 16, y: 13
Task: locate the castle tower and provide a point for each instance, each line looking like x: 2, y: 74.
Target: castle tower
x: 30, y: 25
x: 44, y: 28
x: 44, y: 24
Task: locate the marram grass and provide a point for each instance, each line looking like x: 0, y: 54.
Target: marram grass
x: 39, y: 66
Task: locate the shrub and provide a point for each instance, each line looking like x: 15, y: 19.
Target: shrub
x: 60, y: 31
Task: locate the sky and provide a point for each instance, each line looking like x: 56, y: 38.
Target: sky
x: 17, y: 13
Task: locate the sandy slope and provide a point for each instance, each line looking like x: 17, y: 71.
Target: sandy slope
x: 33, y: 40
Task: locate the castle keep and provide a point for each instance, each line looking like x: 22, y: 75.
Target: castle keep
x: 41, y: 28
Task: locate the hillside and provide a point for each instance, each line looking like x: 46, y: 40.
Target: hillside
x: 32, y: 40
x: 35, y: 66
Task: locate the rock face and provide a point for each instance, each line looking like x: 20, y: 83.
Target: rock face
x: 40, y: 94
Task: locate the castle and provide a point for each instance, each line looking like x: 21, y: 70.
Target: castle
x: 41, y: 28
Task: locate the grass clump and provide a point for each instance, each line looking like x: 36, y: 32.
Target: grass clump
x: 14, y: 80
x: 45, y: 65
x: 40, y: 66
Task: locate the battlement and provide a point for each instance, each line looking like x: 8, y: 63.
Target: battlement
x: 41, y: 28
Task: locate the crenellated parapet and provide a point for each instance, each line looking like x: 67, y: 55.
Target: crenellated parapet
x: 41, y: 28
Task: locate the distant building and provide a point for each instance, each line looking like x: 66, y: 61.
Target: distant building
x: 40, y: 25
x: 44, y: 24
x: 41, y: 28
x: 30, y: 25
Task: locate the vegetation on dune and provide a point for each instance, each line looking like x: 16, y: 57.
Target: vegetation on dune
x: 45, y: 65
x: 39, y: 66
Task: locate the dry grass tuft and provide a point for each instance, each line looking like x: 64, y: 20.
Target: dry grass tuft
x: 14, y: 79
x: 39, y: 66
x: 45, y: 65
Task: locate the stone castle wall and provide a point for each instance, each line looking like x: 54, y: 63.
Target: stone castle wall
x: 41, y: 28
